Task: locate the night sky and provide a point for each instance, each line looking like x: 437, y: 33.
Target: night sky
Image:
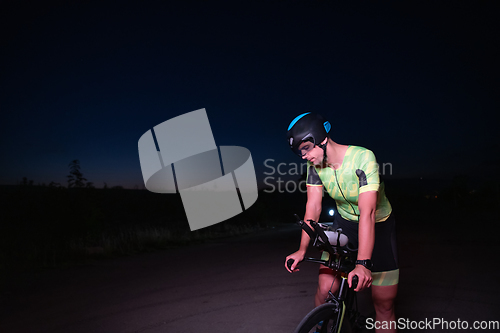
x: 416, y: 82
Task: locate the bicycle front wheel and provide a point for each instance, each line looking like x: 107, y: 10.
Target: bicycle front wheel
x: 326, y: 318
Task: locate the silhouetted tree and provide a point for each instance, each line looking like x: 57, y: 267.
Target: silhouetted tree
x: 75, y: 177
x: 26, y: 182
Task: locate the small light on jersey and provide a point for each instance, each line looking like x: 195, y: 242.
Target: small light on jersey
x: 331, y: 212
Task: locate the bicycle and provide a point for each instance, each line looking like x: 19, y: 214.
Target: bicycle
x: 340, y: 312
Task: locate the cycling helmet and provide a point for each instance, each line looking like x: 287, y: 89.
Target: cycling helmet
x: 308, y: 126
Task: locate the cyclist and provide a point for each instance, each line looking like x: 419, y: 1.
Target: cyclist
x: 350, y: 176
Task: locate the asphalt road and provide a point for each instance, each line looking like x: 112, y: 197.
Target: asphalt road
x: 240, y: 285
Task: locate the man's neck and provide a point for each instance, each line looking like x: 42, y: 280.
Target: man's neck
x: 335, y: 154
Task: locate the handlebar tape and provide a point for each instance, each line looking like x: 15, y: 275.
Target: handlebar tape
x: 355, y: 281
x: 289, y: 263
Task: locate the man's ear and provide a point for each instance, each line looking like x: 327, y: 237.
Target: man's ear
x: 324, y: 141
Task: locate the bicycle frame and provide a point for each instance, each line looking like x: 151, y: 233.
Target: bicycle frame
x: 342, y: 259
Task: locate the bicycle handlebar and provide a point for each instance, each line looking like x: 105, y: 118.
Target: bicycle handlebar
x: 342, y: 257
x: 289, y: 263
x: 305, y: 227
x: 355, y: 278
x: 321, y: 232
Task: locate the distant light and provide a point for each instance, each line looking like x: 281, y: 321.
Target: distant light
x: 331, y: 212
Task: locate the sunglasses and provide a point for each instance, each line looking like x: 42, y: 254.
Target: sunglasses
x: 304, y: 148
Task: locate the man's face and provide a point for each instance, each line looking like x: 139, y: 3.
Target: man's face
x: 311, y: 152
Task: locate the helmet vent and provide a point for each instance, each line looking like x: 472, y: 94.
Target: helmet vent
x: 327, y: 126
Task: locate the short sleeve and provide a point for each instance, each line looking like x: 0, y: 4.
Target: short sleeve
x: 312, y: 176
x: 367, y: 172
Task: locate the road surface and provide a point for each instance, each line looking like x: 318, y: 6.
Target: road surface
x: 240, y: 285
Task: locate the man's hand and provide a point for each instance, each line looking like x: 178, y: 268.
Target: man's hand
x: 364, y: 276
x: 296, y: 257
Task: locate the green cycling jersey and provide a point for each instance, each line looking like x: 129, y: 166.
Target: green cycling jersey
x: 358, y: 173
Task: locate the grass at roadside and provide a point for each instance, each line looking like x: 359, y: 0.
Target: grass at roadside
x: 46, y: 227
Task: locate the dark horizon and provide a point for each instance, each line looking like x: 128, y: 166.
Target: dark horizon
x: 415, y: 83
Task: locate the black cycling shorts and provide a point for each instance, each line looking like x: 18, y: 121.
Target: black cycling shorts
x: 384, y: 255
